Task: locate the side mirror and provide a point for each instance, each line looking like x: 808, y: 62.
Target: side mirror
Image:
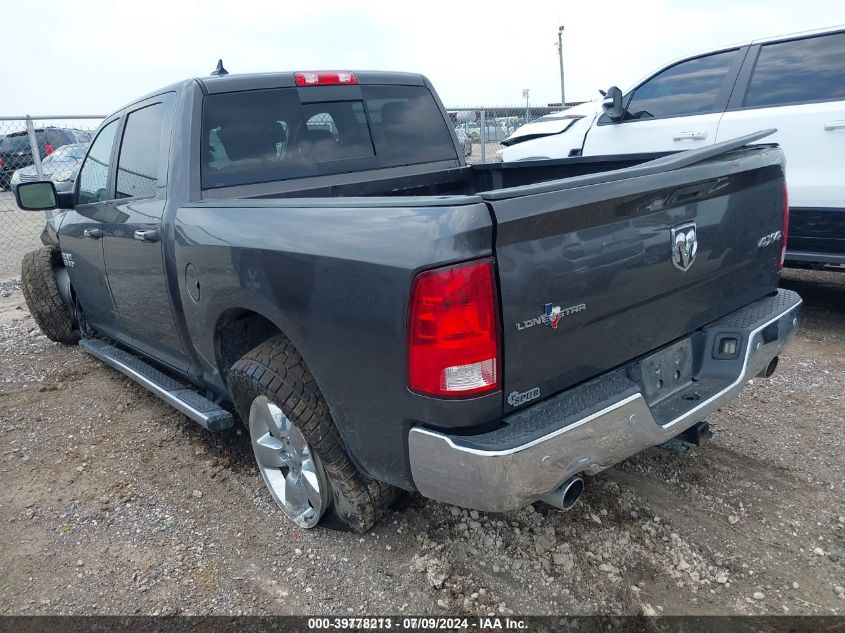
x: 612, y: 104
x: 36, y: 196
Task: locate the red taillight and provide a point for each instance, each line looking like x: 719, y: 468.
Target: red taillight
x: 324, y: 79
x: 453, y: 332
x: 785, y: 226
x: 48, y: 149
x: 1, y: 162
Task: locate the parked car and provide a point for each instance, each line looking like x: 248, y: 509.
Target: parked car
x: 16, y: 151
x: 556, y: 135
x: 511, y: 123
x: 794, y: 83
x: 61, y: 167
x: 464, y: 141
x: 383, y: 316
x: 495, y: 132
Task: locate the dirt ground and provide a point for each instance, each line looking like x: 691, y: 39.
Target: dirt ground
x: 112, y: 503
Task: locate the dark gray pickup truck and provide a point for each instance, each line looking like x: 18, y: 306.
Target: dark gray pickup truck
x: 310, y: 253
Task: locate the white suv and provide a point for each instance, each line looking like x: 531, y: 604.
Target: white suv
x: 794, y: 83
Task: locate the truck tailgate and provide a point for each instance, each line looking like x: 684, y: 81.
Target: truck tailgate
x: 596, y: 271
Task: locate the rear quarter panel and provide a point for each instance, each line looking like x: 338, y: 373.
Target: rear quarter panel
x: 334, y: 275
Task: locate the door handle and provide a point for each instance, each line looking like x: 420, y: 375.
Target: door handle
x: 830, y: 126
x: 690, y: 136
x: 147, y: 236
x: 94, y: 234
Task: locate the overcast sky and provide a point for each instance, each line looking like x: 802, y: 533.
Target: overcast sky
x: 92, y: 56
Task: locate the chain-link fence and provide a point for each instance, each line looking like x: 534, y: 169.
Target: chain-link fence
x: 52, y: 147
x: 35, y: 148
x: 481, y: 130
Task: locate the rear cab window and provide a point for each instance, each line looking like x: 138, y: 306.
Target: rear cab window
x: 268, y: 135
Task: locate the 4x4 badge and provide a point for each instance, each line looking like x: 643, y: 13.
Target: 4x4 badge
x: 684, y: 245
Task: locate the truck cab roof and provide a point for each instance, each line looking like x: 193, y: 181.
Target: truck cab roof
x: 258, y: 81
x: 235, y: 82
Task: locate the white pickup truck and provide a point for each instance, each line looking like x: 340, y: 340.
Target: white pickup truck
x: 794, y: 83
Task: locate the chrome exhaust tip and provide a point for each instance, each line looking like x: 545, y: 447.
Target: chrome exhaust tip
x: 770, y: 368
x: 566, y: 495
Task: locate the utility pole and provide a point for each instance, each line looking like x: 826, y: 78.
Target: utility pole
x: 560, y: 55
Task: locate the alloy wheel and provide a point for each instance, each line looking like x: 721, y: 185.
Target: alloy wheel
x: 289, y: 466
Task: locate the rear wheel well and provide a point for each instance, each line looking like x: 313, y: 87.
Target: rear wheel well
x: 238, y: 332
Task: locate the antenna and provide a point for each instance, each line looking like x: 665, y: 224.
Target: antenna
x: 219, y: 71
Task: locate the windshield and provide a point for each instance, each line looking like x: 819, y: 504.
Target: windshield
x: 267, y: 135
x: 68, y: 153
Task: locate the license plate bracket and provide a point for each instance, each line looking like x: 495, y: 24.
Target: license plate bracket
x: 665, y: 372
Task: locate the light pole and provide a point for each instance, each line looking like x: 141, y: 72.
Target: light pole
x: 560, y: 55
x: 525, y: 93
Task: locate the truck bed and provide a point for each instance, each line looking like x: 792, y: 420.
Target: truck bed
x: 467, y: 180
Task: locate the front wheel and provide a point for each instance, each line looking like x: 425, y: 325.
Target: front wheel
x: 41, y: 292
x: 300, y: 454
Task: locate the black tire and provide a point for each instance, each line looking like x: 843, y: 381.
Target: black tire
x: 276, y: 370
x: 45, y: 302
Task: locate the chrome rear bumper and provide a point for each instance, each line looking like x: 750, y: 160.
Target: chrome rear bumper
x: 464, y: 472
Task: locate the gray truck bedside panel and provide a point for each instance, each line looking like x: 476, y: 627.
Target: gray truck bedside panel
x: 358, y: 202
x: 297, y: 187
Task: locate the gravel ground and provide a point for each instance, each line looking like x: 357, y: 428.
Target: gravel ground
x: 116, y: 504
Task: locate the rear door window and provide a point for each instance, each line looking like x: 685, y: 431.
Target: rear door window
x: 267, y: 135
x: 798, y: 71
x: 137, y: 167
